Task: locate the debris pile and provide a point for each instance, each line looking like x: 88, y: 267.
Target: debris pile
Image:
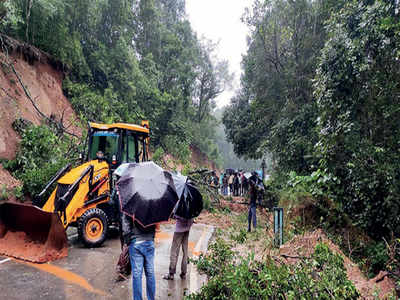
x: 303, y: 246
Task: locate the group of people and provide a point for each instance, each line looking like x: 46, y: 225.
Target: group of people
x: 234, y: 184
x: 237, y: 184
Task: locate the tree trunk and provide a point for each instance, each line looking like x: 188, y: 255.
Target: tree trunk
x: 28, y: 16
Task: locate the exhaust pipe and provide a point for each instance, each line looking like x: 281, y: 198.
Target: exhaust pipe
x: 31, y: 234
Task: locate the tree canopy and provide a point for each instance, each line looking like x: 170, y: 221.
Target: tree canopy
x: 128, y: 60
x: 320, y: 92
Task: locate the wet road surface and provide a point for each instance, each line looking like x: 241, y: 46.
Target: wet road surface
x: 90, y: 273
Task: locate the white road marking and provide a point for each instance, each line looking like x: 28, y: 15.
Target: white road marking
x: 4, y: 260
x: 194, y: 283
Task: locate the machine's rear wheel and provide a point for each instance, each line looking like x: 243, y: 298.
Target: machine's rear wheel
x: 93, y: 227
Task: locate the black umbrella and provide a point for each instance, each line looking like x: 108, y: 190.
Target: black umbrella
x: 190, y: 202
x: 147, y: 193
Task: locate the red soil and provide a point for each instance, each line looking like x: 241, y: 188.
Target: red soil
x: 7, y: 180
x: 199, y: 159
x: 305, y: 245
x: 44, y: 83
x: 18, y: 245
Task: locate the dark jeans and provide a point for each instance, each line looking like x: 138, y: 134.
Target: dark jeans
x: 252, y: 216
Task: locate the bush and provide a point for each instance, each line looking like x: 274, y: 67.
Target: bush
x: 322, y: 276
x: 240, y: 236
x: 177, y: 146
x: 4, y: 194
x: 378, y: 257
x: 41, y: 154
x: 220, y: 256
x: 158, y: 156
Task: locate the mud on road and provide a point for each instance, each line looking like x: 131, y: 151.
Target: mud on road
x: 90, y: 273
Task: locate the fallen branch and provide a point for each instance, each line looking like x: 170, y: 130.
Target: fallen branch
x: 381, y: 276
x: 294, y: 256
x: 246, y: 203
x: 200, y: 171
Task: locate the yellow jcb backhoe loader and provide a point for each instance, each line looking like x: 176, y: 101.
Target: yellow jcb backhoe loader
x: 83, y: 197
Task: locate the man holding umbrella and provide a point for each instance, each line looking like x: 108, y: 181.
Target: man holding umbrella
x: 147, y: 197
x: 188, y: 207
x: 141, y: 252
x: 181, y: 238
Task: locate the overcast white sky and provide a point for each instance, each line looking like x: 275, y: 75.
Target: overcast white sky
x: 219, y: 20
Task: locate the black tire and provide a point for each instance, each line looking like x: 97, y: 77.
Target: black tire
x: 93, y: 227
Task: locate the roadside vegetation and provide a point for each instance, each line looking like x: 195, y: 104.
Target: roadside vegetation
x: 320, y: 96
x: 322, y: 276
x: 242, y: 265
x: 41, y: 154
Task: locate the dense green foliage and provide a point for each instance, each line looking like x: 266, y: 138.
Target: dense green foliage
x: 320, y: 93
x: 129, y: 60
x: 322, y: 276
x: 306, y: 203
x: 41, y: 154
x: 357, y: 90
x: 275, y: 106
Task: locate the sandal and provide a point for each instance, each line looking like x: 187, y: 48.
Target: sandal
x: 168, y: 277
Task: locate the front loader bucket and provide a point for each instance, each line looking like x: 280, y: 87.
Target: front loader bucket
x: 31, y: 234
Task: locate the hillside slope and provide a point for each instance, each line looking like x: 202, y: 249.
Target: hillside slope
x: 44, y: 82
x: 42, y: 77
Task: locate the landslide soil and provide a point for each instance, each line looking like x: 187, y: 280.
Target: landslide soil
x: 45, y: 86
x: 19, y: 245
x: 7, y: 180
x: 299, y: 246
x: 198, y: 160
x: 40, y: 75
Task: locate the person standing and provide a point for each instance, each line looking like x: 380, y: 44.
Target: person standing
x: 245, y: 185
x: 230, y: 182
x: 140, y: 241
x: 221, y: 183
x: 225, y: 183
x: 253, y: 202
x: 236, y: 185
x: 180, y: 239
x: 240, y: 184
x: 216, y: 180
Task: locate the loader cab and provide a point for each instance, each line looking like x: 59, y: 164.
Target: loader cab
x: 118, y: 143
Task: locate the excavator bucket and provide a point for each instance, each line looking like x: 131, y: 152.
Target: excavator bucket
x: 31, y: 234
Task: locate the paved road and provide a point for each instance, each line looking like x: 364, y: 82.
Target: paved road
x: 90, y: 273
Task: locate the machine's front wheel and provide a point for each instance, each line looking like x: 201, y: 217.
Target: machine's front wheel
x: 93, y: 227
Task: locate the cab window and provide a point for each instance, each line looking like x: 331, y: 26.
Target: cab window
x: 131, y: 148
x: 142, y: 154
x: 104, y: 141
